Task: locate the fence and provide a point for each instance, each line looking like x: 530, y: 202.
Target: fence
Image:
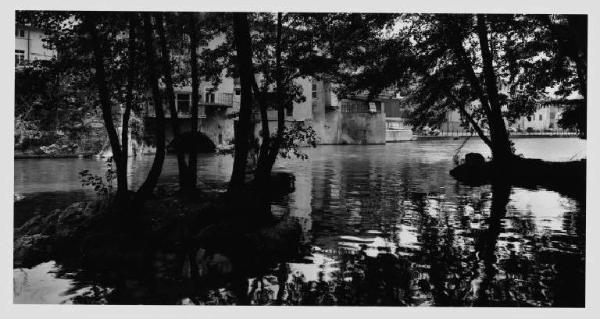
x: 557, y: 133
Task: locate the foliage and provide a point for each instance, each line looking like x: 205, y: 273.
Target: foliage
x: 102, y: 185
x: 436, y: 62
x: 575, y: 117
x: 50, y: 99
x: 296, y: 137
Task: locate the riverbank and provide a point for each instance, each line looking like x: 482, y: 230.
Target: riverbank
x: 567, y: 178
x: 173, y: 240
x: 41, y: 156
x: 457, y: 136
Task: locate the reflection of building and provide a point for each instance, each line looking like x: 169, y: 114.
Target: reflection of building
x: 30, y: 46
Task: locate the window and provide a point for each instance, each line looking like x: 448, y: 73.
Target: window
x: 289, y: 110
x: 314, y: 90
x: 552, y: 115
x: 183, y: 103
x: 209, y: 96
x: 19, y: 33
x: 540, y: 117
x: 19, y: 57
x: 372, y: 107
x: 236, y: 86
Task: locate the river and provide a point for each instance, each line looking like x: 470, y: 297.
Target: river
x: 358, y: 205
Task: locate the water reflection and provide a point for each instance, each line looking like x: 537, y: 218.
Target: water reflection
x: 386, y: 225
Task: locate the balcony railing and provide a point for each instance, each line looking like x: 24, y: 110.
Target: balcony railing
x: 206, y: 100
x: 224, y: 99
x: 360, y: 106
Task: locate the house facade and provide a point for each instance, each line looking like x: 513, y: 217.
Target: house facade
x: 30, y: 45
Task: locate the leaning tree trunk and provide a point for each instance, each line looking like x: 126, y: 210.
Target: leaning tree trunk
x: 501, y: 146
x: 129, y: 98
x: 105, y: 105
x: 270, y: 148
x: 499, y: 142
x: 152, y: 179
x: 166, y: 66
x: 193, y: 155
x: 261, y: 173
x: 242, y: 131
x: 281, y: 101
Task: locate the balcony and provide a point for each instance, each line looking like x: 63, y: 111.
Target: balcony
x: 360, y: 106
x: 219, y: 99
x: 208, y: 101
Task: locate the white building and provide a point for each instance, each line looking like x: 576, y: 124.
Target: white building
x: 30, y: 45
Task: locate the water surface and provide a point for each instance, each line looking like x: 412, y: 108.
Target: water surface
x: 386, y: 225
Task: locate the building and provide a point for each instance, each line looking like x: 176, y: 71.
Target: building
x: 351, y: 120
x: 217, y: 109
x: 397, y: 128
x: 546, y: 117
x: 30, y: 45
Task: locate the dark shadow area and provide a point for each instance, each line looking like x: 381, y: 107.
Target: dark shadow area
x: 188, y: 141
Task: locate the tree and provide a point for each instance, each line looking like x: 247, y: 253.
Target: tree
x: 193, y: 156
x: 284, y: 53
x: 90, y: 23
x: 243, y: 45
x: 152, y: 179
x: 170, y: 96
x: 481, y: 65
x: 565, y: 40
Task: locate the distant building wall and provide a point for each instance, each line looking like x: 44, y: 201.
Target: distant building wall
x: 544, y: 118
x: 346, y: 121
x: 30, y: 46
x: 216, y: 126
x: 362, y: 128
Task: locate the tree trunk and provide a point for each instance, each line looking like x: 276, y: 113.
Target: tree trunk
x: 129, y: 94
x: 166, y: 67
x: 193, y: 156
x: 105, y: 104
x: 271, y: 149
x: 261, y: 174
x: 242, y: 130
x: 281, y: 99
x: 152, y: 179
x: 501, y: 146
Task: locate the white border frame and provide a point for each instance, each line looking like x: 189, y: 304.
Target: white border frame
x: 8, y: 310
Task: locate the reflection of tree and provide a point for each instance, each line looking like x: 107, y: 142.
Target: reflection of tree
x: 486, y: 243
x: 449, y: 266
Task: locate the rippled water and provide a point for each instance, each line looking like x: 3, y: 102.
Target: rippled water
x: 386, y: 225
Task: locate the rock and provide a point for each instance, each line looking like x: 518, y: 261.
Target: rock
x: 474, y: 159
x: 221, y: 264
x: 70, y: 220
x: 31, y: 249
x: 92, y: 208
x: 39, y: 224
